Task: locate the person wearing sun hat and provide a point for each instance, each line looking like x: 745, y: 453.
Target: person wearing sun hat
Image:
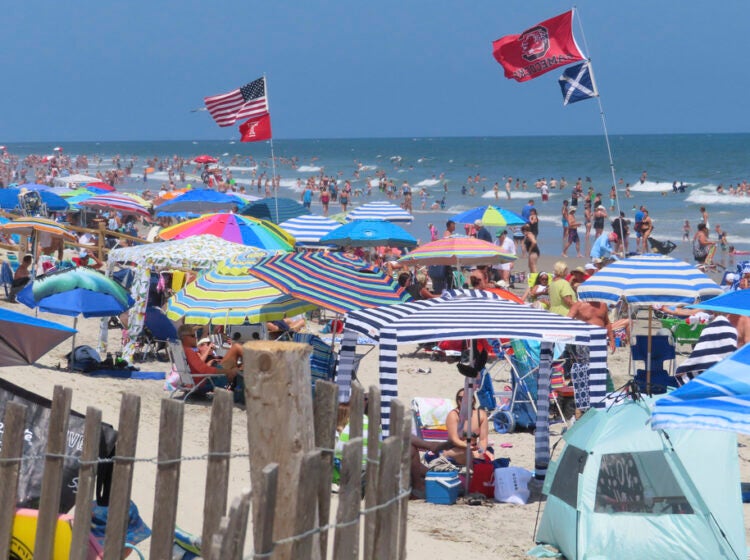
x: 195, y: 358
x: 482, y: 232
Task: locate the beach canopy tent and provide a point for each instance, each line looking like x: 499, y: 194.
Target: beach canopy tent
x: 620, y: 489
x: 477, y: 314
x: 75, y: 180
x: 199, y: 201
x: 24, y: 339
x: 308, y: 230
x: 275, y: 210
x: 199, y: 252
x: 380, y: 210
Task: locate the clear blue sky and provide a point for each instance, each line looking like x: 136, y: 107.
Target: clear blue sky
x: 98, y: 70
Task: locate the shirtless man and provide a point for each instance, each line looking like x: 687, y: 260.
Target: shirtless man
x: 594, y: 313
x: 742, y: 324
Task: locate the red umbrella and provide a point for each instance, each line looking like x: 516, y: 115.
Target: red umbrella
x: 101, y: 185
x: 205, y: 159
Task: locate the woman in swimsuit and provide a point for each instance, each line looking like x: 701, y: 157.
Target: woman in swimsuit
x: 458, y: 428
x: 531, y: 247
x: 325, y: 198
x: 564, y: 214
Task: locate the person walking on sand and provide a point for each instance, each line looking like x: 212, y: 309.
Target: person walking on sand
x: 530, y: 247
x: 572, y: 234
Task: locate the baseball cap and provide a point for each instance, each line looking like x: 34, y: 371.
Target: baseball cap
x: 590, y: 266
x: 503, y: 232
x: 477, y: 222
x: 204, y: 340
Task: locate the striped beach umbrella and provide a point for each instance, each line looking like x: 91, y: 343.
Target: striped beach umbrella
x: 369, y: 233
x: 718, y: 399
x: 200, y: 201
x: 380, y: 210
x: 333, y: 281
x: 30, y: 226
x: 231, y: 300
x: 490, y: 216
x: 270, y: 208
x: 648, y: 280
x: 235, y: 228
x: 116, y: 202
x: 101, y: 185
x: 456, y: 251
x: 309, y: 229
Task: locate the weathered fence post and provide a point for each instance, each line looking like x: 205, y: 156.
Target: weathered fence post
x: 346, y: 540
x: 306, y: 518
x: 217, y: 471
x: 92, y: 432
x: 373, y: 453
x: 278, y: 398
x: 356, y: 410
x: 228, y: 541
x: 167, y: 478
x: 386, y: 540
x: 122, y: 477
x: 325, y: 412
x: 266, y: 496
x: 15, y: 420
x: 49, y: 506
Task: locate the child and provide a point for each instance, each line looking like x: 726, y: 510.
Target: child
x: 686, y: 231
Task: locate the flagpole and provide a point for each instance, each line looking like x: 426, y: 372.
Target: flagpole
x: 604, y: 123
x: 273, y: 157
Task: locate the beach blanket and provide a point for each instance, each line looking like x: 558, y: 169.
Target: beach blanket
x: 717, y: 341
x: 125, y: 373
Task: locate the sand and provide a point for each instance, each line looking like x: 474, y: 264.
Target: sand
x: 500, y: 531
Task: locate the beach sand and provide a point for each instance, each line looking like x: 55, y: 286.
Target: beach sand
x: 501, y: 531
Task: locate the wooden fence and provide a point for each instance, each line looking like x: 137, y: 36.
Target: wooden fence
x: 291, y: 436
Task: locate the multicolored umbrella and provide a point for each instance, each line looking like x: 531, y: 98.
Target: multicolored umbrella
x: 718, y: 399
x: 309, y: 229
x: 369, y: 233
x: 333, y: 281
x: 235, y: 228
x: 200, y: 201
x: 380, y: 210
x: 30, y: 226
x: 231, y: 300
x: 101, y: 185
x: 116, y: 202
x: 456, y: 251
x: 490, y: 216
x: 275, y: 210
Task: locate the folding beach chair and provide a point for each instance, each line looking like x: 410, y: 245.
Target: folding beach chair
x: 185, y: 381
x: 662, y: 350
x: 157, y: 330
x: 245, y: 333
x: 430, y: 414
x: 322, y: 358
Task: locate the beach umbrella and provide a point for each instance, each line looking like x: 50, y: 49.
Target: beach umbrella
x: 116, y: 202
x: 54, y: 202
x: 333, y: 281
x: 76, y: 291
x: 205, y: 159
x: 648, y: 280
x: 736, y: 302
x: 717, y: 399
x: 34, y: 187
x: 235, y: 228
x: 380, y: 210
x: 228, y: 299
x: 490, y: 216
x: 275, y: 210
x: 100, y: 185
x: 310, y: 228
x: 24, y: 339
x: 32, y: 226
x: 369, y: 233
x: 65, y: 192
x: 456, y: 251
x: 200, y: 201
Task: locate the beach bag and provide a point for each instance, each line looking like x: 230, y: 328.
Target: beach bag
x: 84, y: 358
x: 512, y: 485
x: 483, y: 479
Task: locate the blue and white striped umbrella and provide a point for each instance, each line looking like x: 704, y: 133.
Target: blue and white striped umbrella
x: 309, y: 229
x: 464, y: 315
x: 380, y: 210
x: 718, y: 399
x: 648, y: 280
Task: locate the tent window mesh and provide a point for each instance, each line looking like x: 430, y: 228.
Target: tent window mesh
x: 565, y: 484
x: 639, y: 483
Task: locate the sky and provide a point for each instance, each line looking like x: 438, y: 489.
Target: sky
x: 93, y: 70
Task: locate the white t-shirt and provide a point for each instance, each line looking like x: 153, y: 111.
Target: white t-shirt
x: 508, y: 247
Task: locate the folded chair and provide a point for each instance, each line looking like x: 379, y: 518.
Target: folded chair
x: 185, y: 381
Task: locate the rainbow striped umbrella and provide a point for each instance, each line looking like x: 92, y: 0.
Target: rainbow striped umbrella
x: 30, y: 226
x: 456, y: 251
x: 116, y: 202
x: 490, y: 216
x: 235, y: 228
x: 333, y: 281
x: 231, y: 300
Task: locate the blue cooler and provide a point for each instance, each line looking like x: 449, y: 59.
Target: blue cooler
x: 442, y: 487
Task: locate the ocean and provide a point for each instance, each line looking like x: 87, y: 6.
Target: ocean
x: 701, y: 161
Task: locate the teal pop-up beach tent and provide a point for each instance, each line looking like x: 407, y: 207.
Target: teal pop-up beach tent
x: 620, y: 489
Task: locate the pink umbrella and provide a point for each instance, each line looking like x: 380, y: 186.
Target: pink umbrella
x: 117, y: 202
x: 205, y: 159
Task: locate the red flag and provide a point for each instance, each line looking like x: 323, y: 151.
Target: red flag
x: 536, y: 51
x: 256, y: 130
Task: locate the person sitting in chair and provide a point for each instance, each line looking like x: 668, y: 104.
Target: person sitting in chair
x: 478, y: 438
x: 196, y: 357
x: 22, y: 274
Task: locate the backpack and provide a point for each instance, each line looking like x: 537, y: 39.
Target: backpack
x: 84, y: 358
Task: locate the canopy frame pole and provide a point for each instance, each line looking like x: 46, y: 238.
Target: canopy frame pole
x: 273, y: 157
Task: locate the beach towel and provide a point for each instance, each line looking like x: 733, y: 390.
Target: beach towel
x: 717, y: 341
x: 127, y: 373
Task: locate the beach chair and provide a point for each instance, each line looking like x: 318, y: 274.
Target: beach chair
x: 245, y: 333
x: 322, y: 357
x: 184, y: 378
x: 662, y: 350
x: 661, y: 247
x: 430, y: 414
x: 682, y: 333
x: 157, y: 330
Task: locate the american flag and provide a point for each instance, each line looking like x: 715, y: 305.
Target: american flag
x: 247, y: 102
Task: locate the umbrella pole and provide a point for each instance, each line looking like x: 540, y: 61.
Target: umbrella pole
x: 648, y: 351
x: 73, y: 349
x: 468, y: 410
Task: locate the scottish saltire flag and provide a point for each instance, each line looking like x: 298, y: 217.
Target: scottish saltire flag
x: 577, y: 83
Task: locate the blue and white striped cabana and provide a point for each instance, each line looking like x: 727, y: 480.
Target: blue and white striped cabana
x: 309, y: 229
x: 475, y: 314
x: 380, y: 210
